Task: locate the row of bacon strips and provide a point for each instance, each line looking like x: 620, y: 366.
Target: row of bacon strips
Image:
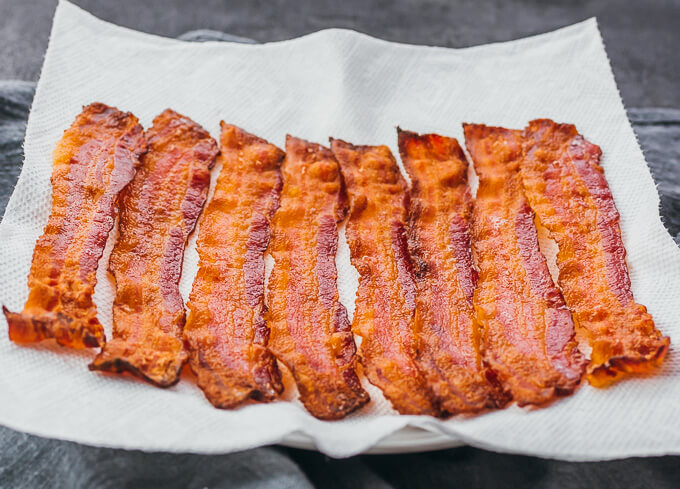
x: 456, y: 308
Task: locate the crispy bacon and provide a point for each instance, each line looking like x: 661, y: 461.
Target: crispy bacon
x: 158, y: 211
x: 93, y: 161
x: 226, y: 331
x: 385, y: 301
x: 566, y: 187
x: 439, y: 240
x: 310, y: 332
x: 527, y: 331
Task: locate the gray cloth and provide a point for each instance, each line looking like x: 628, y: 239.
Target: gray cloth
x: 658, y: 131
x: 32, y: 462
x: 15, y: 101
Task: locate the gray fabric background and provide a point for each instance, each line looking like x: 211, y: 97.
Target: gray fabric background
x: 642, y: 42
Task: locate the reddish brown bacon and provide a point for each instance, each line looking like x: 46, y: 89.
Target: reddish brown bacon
x: 385, y: 301
x: 439, y: 240
x: 566, y: 187
x: 226, y: 330
x: 528, y: 333
x: 310, y: 331
x: 158, y: 211
x: 93, y: 161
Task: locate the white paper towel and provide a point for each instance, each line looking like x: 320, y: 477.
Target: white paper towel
x: 347, y: 85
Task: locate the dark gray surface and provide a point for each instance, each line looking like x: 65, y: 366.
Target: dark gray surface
x: 641, y: 36
x: 639, y: 39
x: 28, y: 462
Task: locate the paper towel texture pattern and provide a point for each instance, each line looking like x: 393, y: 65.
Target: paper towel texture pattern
x: 350, y: 86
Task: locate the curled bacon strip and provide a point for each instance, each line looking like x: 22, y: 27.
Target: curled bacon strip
x: 158, y: 211
x: 385, y: 301
x: 566, y: 187
x: 528, y: 333
x: 226, y: 331
x: 310, y: 331
x: 93, y: 161
x: 439, y: 239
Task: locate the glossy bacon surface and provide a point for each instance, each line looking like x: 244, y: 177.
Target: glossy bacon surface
x: 527, y: 330
x: 95, y: 158
x: 310, y: 332
x: 439, y: 240
x: 226, y: 330
x: 158, y: 211
x: 567, y: 189
x: 385, y: 301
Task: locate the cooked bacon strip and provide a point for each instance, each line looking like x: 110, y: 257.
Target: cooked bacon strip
x: 385, y: 301
x: 226, y: 331
x: 439, y: 240
x: 566, y: 187
x: 310, y: 331
x: 527, y: 330
x: 93, y: 161
x: 158, y: 211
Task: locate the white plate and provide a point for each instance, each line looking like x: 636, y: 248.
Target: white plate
x: 406, y: 440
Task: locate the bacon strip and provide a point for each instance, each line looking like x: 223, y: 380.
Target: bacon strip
x: 158, y: 211
x: 566, y: 187
x: 439, y: 240
x: 93, y: 161
x: 226, y: 331
x: 310, y: 331
x: 385, y: 302
x: 528, y: 332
